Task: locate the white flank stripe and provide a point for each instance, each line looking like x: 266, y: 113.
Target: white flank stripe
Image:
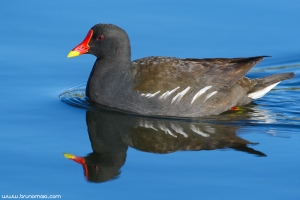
x: 200, y: 92
x: 197, y: 130
x: 150, y: 95
x: 168, y: 93
x: 261, y: 93
x: 179, y: 96
x: 210, y: 95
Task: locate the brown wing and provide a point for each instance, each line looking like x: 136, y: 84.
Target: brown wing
x: 154, y: 74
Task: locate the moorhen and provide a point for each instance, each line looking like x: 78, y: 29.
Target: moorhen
x: 167, y: 86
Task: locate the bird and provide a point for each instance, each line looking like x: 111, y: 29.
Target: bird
x: 167, y: 86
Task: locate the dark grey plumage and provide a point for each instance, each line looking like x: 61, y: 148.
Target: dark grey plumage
x: 168, y: 86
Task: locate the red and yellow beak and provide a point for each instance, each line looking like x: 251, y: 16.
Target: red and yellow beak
x: 83, y: 47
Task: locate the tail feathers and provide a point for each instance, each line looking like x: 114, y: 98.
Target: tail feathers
x: 268, y: 80
x: 265, y: 84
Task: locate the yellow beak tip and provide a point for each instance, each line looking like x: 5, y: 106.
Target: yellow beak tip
x: 69, y: 156
x: 73, y: 54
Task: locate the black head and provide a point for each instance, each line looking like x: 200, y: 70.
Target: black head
x: 104, y: 41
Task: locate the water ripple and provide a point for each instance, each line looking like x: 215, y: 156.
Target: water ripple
x: 74, y: 95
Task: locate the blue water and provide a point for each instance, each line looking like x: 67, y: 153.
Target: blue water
x: 38, y: 125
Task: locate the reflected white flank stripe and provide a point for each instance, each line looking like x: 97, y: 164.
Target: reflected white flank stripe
x: 147, y: 124
x: 166, y: 130
x: 197, y: 130
x: 178, y: 129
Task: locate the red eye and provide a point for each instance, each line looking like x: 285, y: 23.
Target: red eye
x: 100, y: 37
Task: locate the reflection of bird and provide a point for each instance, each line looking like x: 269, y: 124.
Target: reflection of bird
x: 167, y: 86
x: 99, y: 167
x: 166, y: 136
x: 110, y: 134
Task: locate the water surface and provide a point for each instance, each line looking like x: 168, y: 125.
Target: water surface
x: 252, y: 153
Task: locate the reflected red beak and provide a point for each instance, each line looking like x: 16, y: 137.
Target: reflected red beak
x: 79, y: 160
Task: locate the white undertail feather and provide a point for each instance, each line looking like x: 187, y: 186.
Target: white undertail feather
x: 179, y: 96
x: 262, y: 92
x: 198, y: 94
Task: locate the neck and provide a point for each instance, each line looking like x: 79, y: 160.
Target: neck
x: 107, y: 78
